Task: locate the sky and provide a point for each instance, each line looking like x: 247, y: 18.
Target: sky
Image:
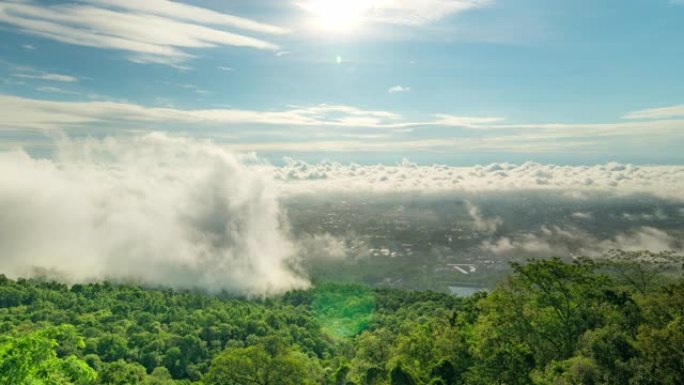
x: 457, y: 82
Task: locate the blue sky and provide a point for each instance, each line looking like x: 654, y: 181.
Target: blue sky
x: 447, y: 81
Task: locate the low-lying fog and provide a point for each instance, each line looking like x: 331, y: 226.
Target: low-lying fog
x: 170, y: 211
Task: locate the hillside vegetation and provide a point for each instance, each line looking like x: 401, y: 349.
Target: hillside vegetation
x: 550, y: 323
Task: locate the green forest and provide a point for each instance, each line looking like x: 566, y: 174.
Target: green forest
x: 551, y: 322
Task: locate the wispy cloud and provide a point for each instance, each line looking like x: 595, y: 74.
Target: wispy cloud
x: 157, y: 31
x: 47, y: 76
x: 187, y: 86
x: 55, y: 90
x: 399, y: 12
x: 339, y: 127
x: 398, y: 89
x: 465, y: 121
x: 658, y: 113
x: 181, y: 11
x: 44, y: 114
x: 422, y: 11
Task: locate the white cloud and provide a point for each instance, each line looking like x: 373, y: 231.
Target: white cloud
x: 55, y: 90
x: 422, y: 11
x: 582, y: 215
x: 161, y: 210
x: 181, y: 11
x: 465, y: 121
x: 658, y: 113
x: 646, y: 238
x: 43, y: 114
x: 47, y: 76
x: 382, y: 130
x: 527, y: 244
x: 554, y: 240
x: 398, y: 89
x: 322, y: 246
x: 158, y: 31
x: 656, y: 215
x: 481, y: 223
x: 190, y: 87
x: 596, y: 129
x: 613, y: 178
x: 399, y: 12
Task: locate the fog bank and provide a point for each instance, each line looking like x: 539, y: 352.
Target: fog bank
x: 154, y: 209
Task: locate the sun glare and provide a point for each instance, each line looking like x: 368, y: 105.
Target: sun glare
x: 338, y: 15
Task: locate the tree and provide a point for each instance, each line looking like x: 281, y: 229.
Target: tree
x: 374, y: 376
x: 502, y: 363
x: 643, y: 270
x: 446, y: 372
x: 112, y: 348
x: 340, y: 375
x: 399, y: 376
x: 254, y: 365
x: 612, y: 350
x: 539, y: 316
x: 663, y: 357
x: 372, y: 355
x: 159, y: 376
x: 122, y: 373
x: 574, y: 371
x: 32, y: 359
x: 175, y: 362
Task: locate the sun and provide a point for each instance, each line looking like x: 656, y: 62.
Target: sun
x: 338, y: 15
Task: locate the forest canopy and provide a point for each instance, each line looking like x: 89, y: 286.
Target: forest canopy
x: 619, y: 320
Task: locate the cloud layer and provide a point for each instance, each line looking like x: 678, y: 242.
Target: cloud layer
x: 155, y: 209
x: 613, y: 178
x: 518, y: 210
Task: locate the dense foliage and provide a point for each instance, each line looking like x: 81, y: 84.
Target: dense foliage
x: 551, y: 322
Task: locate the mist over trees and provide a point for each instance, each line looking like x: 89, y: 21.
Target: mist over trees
x: 551, y: 322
